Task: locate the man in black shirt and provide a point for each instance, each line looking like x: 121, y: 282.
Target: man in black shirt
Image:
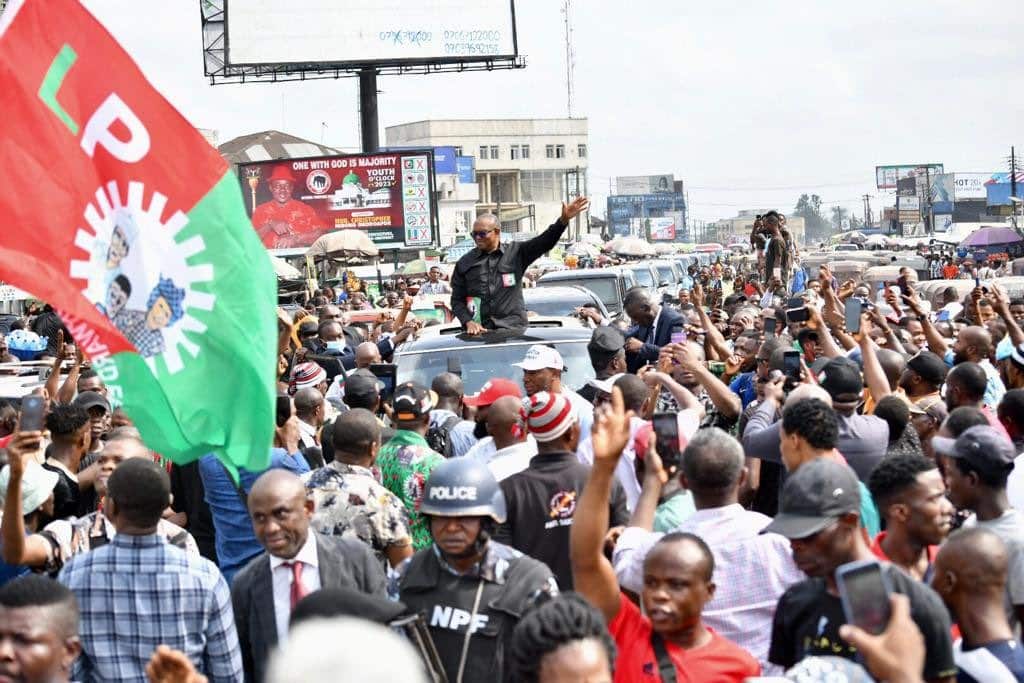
x: 487, y: 284
x: 541, y: 499
x: 607, y: 349
x: 819, y: 514
x: 70, y: 434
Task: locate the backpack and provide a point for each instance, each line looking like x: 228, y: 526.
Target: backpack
x: 437, y: 435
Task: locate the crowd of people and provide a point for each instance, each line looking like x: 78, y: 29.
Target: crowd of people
x: 685, y: 515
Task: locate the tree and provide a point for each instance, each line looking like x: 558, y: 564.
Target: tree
x: 839, y: 214
x: 816, y: 227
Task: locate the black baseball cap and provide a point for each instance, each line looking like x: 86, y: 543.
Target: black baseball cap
x: 92, y: 399
x: 605, y: 343
x: 930, y: 367
x: 842, y: 380
x: 362, y: 387
x: 308, y: 328
x: 982, y: 447
x: 821, y: 491
x: 412, y: 401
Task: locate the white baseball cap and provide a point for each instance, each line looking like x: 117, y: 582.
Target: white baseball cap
x: 605, y: 385
x: 36, y: 486
x: 539, y: 357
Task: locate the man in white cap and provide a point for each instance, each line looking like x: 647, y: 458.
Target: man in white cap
x: 542, y: 371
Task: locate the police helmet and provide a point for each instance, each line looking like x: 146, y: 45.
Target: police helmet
x: 463, y: 487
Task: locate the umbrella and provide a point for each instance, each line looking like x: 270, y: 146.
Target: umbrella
x: 583, y: 249
x: 285, y: 270
x: 632, y: 246
x: 415, y: 267
x: 984, y: 237
x: 343, y: 244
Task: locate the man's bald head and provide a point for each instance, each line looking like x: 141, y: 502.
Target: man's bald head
x: 277, y: 482
x: 978, y: 559
x: 487, y: 221
x: 893, y: 364
x: 808, y: 391
x: 447, y: 385
x: 979, y: 338
x: 307, y: 401
x: 367, y: 354
x: 503, y: 414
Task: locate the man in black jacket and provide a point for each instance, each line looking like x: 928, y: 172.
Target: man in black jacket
x: 541, y: 499
x: 487, y: 284
x: 296, y: 563
x: 653, y: 327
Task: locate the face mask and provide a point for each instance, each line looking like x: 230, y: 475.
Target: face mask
x: 336, y: 345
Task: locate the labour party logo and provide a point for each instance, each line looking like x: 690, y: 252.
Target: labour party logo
x: 144, y: 273
x: 318, y: 182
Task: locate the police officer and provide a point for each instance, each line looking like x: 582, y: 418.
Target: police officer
x: 472, y: 590
x: 487, y: 283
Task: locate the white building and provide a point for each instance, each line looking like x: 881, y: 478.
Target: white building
x: 525, y: 169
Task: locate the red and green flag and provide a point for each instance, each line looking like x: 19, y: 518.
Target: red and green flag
x: 117, y: 212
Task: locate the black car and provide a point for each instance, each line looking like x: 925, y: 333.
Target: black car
x: 561, y: 302
x: 491, y: 355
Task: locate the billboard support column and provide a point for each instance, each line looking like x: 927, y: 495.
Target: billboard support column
x: 369, y: 122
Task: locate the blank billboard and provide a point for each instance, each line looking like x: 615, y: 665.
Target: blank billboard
x: 390, y: 31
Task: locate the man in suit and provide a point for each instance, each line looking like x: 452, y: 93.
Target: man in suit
x: 296, y: 563
x: 652, y: 328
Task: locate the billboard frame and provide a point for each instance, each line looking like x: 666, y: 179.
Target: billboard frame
x: 214, y: 18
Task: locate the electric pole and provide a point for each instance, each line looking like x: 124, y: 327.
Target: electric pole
x: 868, y: 220
x: 570, y: 62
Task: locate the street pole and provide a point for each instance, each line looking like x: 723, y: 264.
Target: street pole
x: 369, y: 122
x: 577, y: 197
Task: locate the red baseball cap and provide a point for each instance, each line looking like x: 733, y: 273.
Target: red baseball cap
x: 492, y: 391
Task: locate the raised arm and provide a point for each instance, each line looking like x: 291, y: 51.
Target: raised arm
x: 874, y: 376
x: 654, y: 479
x: 728, y: 404
x: 536, y: 247
x: 593, y: 575
x: 936, y: 344
x: 712, y: 336
x: 1002, y: 305
x: 17, y: 548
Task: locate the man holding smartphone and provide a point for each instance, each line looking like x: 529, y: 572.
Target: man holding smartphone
x: 819, y: 512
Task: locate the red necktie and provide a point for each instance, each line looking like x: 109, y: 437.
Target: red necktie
x: 298, y: 591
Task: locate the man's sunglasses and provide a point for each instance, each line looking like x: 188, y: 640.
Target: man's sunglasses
x: 480, y: 234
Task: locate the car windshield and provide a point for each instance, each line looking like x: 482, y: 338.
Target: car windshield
x: 555, y: 307
x: 665, y: 273
x: 482, y: 362
x: 603, y: 287
x: 644, y: 277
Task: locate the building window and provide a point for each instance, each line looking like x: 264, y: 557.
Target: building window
x: 524, y: 150
x: 581, y: 150
x: 559, y: 151
x: 494, y: 152
x: 483, y: 151
x: 519, y: 151
x: 542, y: 186
x: 458, y: 151
x: 549, y: 151
x: 513, y: 152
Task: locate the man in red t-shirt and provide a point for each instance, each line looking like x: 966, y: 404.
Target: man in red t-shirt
x: 911, y: 496
x: 678, y: 582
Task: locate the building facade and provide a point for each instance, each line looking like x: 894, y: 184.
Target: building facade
x: 525, y: 168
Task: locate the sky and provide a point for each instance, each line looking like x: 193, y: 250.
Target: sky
x: 750, y: 103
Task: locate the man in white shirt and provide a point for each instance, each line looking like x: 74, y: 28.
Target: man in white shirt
x: 752, y: 570
x: 482, y: 401
x: 435, y: 285
x: 296, y: 563
x: 513, y: 448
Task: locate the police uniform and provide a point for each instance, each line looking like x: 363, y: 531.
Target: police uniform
x: 471, y: 616
x: 499, y: 587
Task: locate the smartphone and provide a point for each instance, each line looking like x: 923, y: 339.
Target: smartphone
x: 798, y: 315
x: 853, y: 308
x: 769, y: 327
x: 386, y: 373
x: 32, y: 409
x: 678, y: 337
x: 864, y: 591
x: 666, y: 435
x: 284, y: 409
x: 777, y: 273
x: 791, y: 365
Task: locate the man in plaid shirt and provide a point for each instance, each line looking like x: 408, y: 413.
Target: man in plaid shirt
x: 138, y: 592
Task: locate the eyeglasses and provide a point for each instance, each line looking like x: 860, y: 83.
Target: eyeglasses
x: 480, y: 234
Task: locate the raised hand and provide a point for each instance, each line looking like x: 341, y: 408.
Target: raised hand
x: 610, y: 432
x: 570, y: 211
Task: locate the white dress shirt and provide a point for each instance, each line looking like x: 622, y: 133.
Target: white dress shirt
x: 307, y: 434
x: 512, y: 459
x: 282, y: 580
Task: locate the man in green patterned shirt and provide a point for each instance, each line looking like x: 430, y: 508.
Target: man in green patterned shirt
x: 407, y: 460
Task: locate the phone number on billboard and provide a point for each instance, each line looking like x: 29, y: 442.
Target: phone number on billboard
x: 471, y: 48
x: 473, y: 36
